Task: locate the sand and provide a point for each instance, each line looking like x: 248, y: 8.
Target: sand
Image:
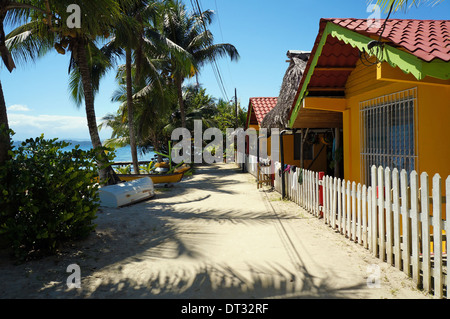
x: 214, y: 235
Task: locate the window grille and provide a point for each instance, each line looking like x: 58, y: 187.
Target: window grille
x: 388, y: 133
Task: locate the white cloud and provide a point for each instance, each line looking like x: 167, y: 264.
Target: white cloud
x: 19, y: 108
x: 52, y: 126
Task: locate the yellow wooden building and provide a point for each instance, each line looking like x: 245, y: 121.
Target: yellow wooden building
x: 392, y: 89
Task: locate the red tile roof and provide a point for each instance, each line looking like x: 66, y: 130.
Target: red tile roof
x: 261, y: 106
x: 426, y: 39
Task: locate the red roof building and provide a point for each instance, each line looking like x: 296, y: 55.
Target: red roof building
x: 425, y: 39
x: 258, y: 108
x: 370, y: 74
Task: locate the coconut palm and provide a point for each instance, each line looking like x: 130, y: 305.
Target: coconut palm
x: 143, y: 47
x: 14, y: 12
x: 50, y: 29
x: 189, y: 31
x: 130, y: 35
x: 153, y: 105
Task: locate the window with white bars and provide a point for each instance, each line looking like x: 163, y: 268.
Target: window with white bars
x: 388, y: 133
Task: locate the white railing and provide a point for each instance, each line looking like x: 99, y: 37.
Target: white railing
x: 401, y: 219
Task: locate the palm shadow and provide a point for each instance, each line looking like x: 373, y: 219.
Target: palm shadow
x: 153, y: 231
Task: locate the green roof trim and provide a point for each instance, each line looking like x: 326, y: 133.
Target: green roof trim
x: 405, y: 61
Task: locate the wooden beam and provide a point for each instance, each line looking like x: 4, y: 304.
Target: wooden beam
x: 325, y: 89
x: 337, y: 68
x: 310, y: 118
x: 325, y: 103
x: 385, y: 72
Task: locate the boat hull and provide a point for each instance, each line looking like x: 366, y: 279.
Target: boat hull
x: 126, y: 193
x: 156, y: 178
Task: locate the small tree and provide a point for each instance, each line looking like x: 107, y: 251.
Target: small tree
x: 49, y: 29
x: 48, y: 196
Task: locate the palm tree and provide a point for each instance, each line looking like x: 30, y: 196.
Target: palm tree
x: 130, y: 35
x: 14, y: 12
x: 153, y: 105
x: 50, y: 29
x: 403, y: 4
x: 189, y: 31
x: 145, y: 51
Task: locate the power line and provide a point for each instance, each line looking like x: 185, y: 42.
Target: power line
x: 221, y: 34
x: 215, y: 67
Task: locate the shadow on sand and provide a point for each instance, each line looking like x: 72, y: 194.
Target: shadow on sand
x: 155, y: 233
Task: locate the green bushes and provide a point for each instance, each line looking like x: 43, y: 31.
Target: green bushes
x: 47, y: 196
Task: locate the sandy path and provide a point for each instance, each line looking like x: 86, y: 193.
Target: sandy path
x: 212, y: 236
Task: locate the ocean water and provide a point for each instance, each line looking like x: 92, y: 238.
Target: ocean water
x: 122, y: 154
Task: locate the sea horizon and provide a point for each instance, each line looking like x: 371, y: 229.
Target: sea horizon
x: 123, y: 154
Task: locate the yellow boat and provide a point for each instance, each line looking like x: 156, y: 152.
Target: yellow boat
x: 156, y: 178
x: 182, y: 169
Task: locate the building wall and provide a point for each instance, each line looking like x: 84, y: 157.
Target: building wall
x: 320, y: 165
x: 432, y: 121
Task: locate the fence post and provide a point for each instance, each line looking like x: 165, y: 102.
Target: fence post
x: 364, y: 214
x: 322, y: 195
x: 374, y: 212
x: 425, y: 218
x: 406, y: 230
x: 396, y: 211
x: 447, y: 228
x: 339, y: 205
x: 349, y: 207
x: 354, y: 211
x: 437, y: 236
x: 360, y: 229
x: 333, y: 208
x: 381, y: 219
x: 388, y: 206
x: 415, y: 227
x: 370, y: 240
x: 344, y: 208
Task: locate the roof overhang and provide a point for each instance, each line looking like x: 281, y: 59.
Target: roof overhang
x: 335, y: 54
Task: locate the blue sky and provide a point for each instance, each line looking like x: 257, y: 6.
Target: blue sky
x: 263, y: 31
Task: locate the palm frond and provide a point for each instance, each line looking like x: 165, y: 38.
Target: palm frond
x: 27, y: 43
x: 403, y: 4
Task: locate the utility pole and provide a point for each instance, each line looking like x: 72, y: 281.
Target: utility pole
x: 236, y: 106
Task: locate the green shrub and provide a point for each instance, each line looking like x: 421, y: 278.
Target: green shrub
x: 47, y: 196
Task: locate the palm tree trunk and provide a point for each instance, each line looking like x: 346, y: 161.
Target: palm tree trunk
x: 4, y: 129
x: 4, y: 126
x: 131, y: 113
x: 106, y: 173
x: 179, y: 83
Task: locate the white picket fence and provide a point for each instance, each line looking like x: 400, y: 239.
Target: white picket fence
x: 395, y: 218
